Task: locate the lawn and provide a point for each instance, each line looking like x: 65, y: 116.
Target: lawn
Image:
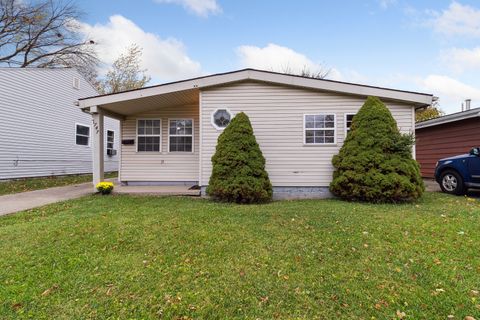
x: 125, y: 257
x: 30, y: 184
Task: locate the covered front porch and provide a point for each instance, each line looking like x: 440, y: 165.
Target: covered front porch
x: 159, y: 140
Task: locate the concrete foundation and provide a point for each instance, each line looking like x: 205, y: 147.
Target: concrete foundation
x: 293, y: 193
x: 159, y: 183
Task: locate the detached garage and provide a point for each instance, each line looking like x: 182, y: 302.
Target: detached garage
x: 446, y: 136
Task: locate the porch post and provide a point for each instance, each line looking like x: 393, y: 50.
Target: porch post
x: 98, y: 145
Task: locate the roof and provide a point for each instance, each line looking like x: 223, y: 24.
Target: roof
x: 458, y: 116
x: 417, y: 98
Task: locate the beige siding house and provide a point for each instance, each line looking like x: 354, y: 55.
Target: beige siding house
x: 169, y: 132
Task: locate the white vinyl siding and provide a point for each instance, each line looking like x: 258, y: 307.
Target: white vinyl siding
x: 277, y: 115
x: 160, y: 166
x: 37, y: 124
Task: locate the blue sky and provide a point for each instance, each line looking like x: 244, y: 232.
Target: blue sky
x: 431, y: 47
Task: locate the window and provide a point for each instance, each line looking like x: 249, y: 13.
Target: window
x: 148, y: 135
x: 76, y: 83
x: 221, y: 118
x: 319, y: 129
x: 82, y: 135
x: 110, y: 141
x: 348, y: 122
x: 180, y: 135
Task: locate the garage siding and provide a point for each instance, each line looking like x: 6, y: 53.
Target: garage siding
x: 445, y: 140
x: 276, y: 113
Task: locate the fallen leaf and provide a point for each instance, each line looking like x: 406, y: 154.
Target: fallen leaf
x: 401, y: 315
x: 49, y: 290
x: 264, y: 299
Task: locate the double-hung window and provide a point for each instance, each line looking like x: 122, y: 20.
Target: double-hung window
x: 348, y: 122
x: 148, y: 135
x: 319, y: 129
x: 110, y: 141
x: 180, y: 135
x: 82, y: 135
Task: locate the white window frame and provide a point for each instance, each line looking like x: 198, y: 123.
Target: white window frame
x: 148, y: 135
x: 345, y: 121
x: 89, y: 134
x: 76, y: 83
x: 212, y: 120
x: 106, y: 139
x: 318, y: 129
x: 181, y: 135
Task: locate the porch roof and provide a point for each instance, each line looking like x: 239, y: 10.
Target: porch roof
x: 187, y: 91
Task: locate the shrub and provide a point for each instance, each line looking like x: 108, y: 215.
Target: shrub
x: 375, y: 163
x: 238, y: 173
x: 104, y: 187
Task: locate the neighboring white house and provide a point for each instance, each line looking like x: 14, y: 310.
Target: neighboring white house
x: 169, y: 132
x: 42, y: 132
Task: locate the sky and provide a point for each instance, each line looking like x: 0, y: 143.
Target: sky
x: 430, y: 46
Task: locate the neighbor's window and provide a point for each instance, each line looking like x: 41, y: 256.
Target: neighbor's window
x: 180, y: 135
x: 348, y: 121
x: 148, y: 135
x: 319, y: 129
x: 221, y: 118
x: 110, y: 141
x: 82, y: 135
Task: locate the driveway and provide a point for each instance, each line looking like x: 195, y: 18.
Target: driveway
x: 432, y: 186
x: 28, y: 200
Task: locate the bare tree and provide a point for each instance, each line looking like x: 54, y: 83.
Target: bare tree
x: 126, y: 73
x: 43, y: 34
x: 319, y: 73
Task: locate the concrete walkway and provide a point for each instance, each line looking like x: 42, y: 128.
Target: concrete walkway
x: 156, y: 190
x: 31, y: 199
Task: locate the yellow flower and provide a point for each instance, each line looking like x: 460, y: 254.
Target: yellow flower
x: 104, y: 187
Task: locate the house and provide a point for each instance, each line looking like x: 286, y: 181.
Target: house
x: 169, y: 131
x: 446, y: 136
x: 43, y: 132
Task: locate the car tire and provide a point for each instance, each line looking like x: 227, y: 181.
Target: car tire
x: 452, y: 183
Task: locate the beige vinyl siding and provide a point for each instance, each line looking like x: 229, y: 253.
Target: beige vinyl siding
x: 276, y: 113
x: 160, y: 166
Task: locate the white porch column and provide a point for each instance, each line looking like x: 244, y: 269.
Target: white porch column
x: 98, y: 145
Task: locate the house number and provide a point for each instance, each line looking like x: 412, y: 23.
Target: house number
x: 95, y: 125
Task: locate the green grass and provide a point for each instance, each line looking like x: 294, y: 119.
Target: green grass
x: 30, y: 184
x: 122, y: 257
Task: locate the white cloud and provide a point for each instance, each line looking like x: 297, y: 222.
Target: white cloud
x: 450, y: 91
x: 457, y: 20
x: 165, y: 59
x: 199, y: 7
x: 461, y: 60
x: 386, y: 3
x: 278, y: 58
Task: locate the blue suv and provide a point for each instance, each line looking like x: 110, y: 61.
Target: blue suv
x: 456, y: 174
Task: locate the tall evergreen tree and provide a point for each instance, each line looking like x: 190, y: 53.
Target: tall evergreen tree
x: 375, y: 163
x: 238, y: 173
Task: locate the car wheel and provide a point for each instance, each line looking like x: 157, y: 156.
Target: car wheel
x: 451, y: 182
